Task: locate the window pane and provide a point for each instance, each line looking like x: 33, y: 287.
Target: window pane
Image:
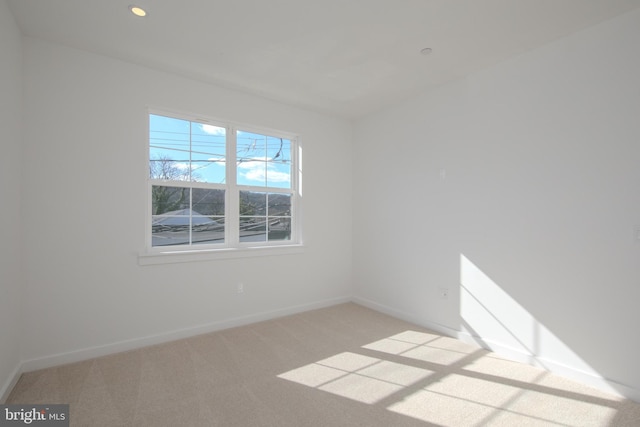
x: 168, y: 164
x: 279, y: 228
x: 279, y: 163
x: 166, y: 200
x: 279, y: 216
x: 253, y: 203
x: 253, y: 221
x: 264, y: 216
x: 208, y: 153
x: 279, y: 174
x: 253, y: 229
x: 251, y: 158
x: 169, y: 236
x: 170, y: 220
x: 279, y: 204
x: 207, y: 138
x: 207, y: 229
x: 263, y: 160
x: 208, y: 168
x: 252, y: 172
x: 167, y: 132
x: 208, y: 202
x: 174, y: 223
x: 251, y: 146
x: 208, y: 219
x: 176, y: 230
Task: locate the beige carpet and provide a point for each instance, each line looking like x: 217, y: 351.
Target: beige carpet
x: 340, y: 366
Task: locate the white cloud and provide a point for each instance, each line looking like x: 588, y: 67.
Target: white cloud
x: 251, y: 164
x: 213, y: 130
x: 255, y: 171
x: 275, y: 176
x: 255, y: 175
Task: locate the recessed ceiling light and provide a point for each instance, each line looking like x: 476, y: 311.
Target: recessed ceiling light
x: 138, y: 11
x: 426, y: 51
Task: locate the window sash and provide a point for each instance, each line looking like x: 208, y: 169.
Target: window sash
x: 232, y: 238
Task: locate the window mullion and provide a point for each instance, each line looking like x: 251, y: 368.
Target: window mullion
x: 190, y: 215
x: 296, y: 186
x: 233, y: 196
x: 190, y: 183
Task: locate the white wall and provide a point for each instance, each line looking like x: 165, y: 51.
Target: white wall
x: 10, y: 195
x: 531, y: 230
x: 84, y: 212
x: 533, y: 227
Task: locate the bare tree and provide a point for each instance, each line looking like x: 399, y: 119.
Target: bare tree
x: 163, y: 198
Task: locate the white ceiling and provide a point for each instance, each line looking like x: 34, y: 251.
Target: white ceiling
x: 343, y: 57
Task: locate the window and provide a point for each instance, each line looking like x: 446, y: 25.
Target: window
x: 216, y: 185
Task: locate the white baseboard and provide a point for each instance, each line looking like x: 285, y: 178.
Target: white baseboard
x: 588, y: 378
x: 407, y: 317
x: 132, y: 344
x: 10, y: 383
x: 505, y: 351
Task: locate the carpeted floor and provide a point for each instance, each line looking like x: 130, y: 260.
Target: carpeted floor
x: 340, y: 366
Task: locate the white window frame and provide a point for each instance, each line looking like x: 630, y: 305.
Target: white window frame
x: 232, y: 247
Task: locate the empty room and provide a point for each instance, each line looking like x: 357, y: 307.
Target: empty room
x: 296, y: 213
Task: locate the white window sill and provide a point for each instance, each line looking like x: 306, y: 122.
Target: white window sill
x: 167, y: 257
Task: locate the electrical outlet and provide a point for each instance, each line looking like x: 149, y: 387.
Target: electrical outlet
x: 443, y: 293
x: 240, y: 288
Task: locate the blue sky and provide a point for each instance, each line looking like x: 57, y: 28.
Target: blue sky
x: 262, y: 160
